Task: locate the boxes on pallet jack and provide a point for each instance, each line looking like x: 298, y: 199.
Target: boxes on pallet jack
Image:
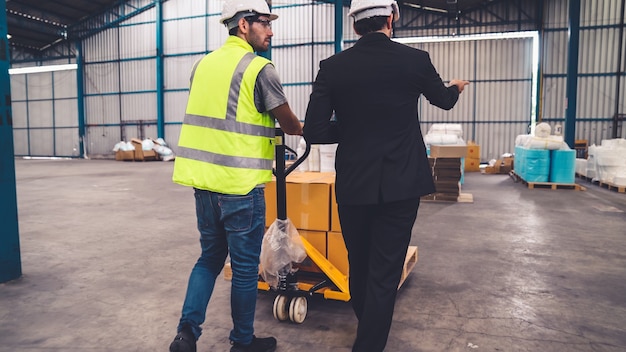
x: 308, y: 199
x: 329, y: 276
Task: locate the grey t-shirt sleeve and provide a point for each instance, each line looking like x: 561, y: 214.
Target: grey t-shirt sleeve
x: 268, y: 91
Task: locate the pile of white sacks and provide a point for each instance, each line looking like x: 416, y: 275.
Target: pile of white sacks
x: 159, y: 146
x: 444, y: 134
x: 606, y: 163
x: 541, y: 139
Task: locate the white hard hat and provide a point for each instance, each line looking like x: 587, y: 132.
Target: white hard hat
x: 360, y: 9
x: 232, y: 7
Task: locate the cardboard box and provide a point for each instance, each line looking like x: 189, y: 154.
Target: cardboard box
x: 447, y: 174
x: 490, y: 170
x: 448, y: 151
x: 308, y: 200
x: 316, y: 238
x: 449, y: 187
x: 335, y: 224
x: 501, y: 166
x: 473, y: 150
x: 472, y: 164
x: 337, y: 252
x: 138, y: 148
x: 125, y: 155
x: 506, y: 166
x: 150, y: 155
x: 143, y: 155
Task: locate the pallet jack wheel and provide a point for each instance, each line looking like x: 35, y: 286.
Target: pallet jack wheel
x: 281, y: 308
x: 298, y: 309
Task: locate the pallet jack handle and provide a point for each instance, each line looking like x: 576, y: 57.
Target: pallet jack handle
x: 281, y: 172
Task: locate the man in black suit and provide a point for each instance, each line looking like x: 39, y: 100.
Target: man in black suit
x: 365, y: 99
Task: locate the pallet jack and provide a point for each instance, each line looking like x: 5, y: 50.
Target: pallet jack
x: 294, y: 287
x: 316, y: 275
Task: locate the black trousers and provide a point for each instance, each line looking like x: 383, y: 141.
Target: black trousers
x: 377, y: 238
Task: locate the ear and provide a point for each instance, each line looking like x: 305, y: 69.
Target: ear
x: 390, y: 21
x: 354, y: 28
x: 244, y: 26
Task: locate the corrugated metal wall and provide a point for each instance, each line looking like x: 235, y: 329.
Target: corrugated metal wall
x: 45, y: 120
x: 496, y: 107
x: 121, y: 63
x: 190, y: 29
x: 120, y: 84
x: 598, y: 67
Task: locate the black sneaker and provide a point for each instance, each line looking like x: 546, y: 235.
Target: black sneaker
x: 184, y: 341
x: 266, y: 344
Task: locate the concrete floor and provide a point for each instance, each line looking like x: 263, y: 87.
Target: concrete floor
x: 107, y: 247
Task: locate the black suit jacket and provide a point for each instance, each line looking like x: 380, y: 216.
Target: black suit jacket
x: 365, y: 98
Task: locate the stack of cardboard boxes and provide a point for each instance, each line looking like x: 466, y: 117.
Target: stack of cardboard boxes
x: 472, y: 159
x: 446, y: 166
x: 312, y: 209
x: 447, y: 176
x: 138, y: 154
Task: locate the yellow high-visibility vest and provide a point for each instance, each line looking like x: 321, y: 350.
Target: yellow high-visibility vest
x: 225, y: 144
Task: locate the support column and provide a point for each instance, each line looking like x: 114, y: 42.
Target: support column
x: 572, y: 72
x: 80, y: 97
x: 617, y: 132
x: 160, y: 97
x: 338, y: 25
x: 10, y: 262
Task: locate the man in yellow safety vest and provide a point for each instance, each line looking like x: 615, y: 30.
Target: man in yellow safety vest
x: 225, y: 152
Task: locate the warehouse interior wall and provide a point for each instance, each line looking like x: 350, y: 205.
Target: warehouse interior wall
x: 121, y: 91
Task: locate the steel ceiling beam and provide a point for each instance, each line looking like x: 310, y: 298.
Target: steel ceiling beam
x: 109, y: 18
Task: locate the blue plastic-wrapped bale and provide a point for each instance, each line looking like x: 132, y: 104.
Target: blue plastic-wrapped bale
x: 536, y: 165
x: 519, y: 161
x: 562, y: 166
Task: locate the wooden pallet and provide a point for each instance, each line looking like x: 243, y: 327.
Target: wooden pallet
x: 608, y: 185
x: 465, y: 198
x: 461, y: 198
x: 612, y: 187
x: 547, y: 185
x: 588, y: 179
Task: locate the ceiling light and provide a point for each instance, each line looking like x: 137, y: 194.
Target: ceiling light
x: 38, y: 69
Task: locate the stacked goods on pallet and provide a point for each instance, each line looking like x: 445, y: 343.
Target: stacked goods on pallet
x: 444, y: 134
x: 532, y: 165
x: 607, y: 162
x: 447, y: 176
x: 562, y: 166
x: 472, y: 160
x: 312, y: 209
x: 143, y: 150
x: 543, y: 157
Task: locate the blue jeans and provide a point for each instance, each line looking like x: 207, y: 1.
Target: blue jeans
x: 227, y: 224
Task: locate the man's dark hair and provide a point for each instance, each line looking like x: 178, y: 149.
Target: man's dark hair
x: 369, y: 25
x: 250, y: 19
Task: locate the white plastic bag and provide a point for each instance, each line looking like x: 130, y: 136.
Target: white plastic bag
x: 281, y: 247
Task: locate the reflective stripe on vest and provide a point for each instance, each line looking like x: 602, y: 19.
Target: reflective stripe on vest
x: 225, y: 145
x: 225, y: 160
